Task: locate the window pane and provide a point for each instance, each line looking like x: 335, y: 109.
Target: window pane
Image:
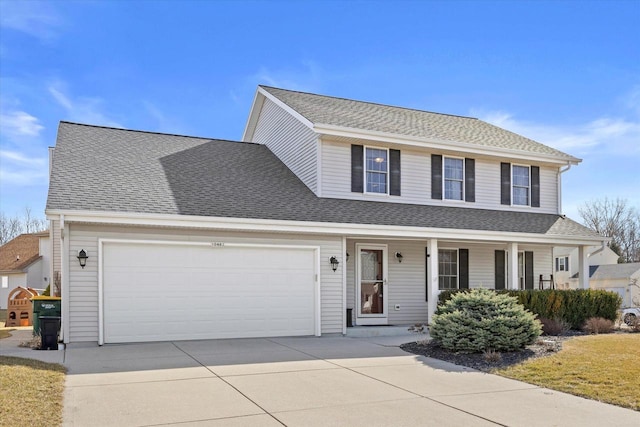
x: 520, y: 196
x: 453, y: 190
x: 521, y: 176
x: 376, y: 160
x: 453, y: 168
x: 376, y: 182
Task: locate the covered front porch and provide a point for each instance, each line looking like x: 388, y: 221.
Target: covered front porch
x: 397, y: 281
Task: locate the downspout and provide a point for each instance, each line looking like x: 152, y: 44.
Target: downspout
x: 560, y: 172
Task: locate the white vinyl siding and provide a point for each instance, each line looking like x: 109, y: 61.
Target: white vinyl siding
x: 83, y: 283
x: 416, y: 180
x: 293, y: 143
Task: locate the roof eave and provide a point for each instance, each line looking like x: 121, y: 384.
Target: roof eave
x: 309, y: 227
x: 441, y: 144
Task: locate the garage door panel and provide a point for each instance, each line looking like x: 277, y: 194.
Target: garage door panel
x: 198, y: 292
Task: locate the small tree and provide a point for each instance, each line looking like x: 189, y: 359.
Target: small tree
x: 480, y: 320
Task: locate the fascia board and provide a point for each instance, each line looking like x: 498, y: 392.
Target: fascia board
x: 340, y: 229
x: 254, y: 114
x: 285, y: 107
x: 440, y: 144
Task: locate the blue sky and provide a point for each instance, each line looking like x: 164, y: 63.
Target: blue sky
x: 565, y: 73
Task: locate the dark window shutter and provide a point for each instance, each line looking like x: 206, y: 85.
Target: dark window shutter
x: 500, y: 267
x: 426, y: 274
x: 469, y: 180
x: 535, y: 186
x: 357, y: 172
x: 505, y: 183
x: 463, y: 268
x: 436, y: 176
x: 528, y: 270
x: 557, y: 264
x: 394, y: 172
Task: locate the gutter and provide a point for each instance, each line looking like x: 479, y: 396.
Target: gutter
x: 559, y: 180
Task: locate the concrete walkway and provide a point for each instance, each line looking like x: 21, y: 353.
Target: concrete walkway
x: 305, y: 382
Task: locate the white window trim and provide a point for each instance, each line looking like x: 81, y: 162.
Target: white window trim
x: 364, y: 169
x: 457, y: 268
x: 528, y: 188
x: 5, y: 282
x: 565, y: 260
x: 444, y: 179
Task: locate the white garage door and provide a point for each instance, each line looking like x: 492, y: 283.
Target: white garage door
x: 161, y: 292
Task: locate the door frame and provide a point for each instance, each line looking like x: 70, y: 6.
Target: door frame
x: 372, y: 319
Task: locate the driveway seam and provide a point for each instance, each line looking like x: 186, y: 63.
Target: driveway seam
x: 230, y: 385
x: 403, y: 389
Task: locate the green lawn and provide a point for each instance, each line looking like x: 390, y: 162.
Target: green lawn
x: 599, y: 367
x: 3, y: 317
x: 32, y: 392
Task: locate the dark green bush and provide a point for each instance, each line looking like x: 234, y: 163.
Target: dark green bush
x: 480, y: 320
x: 572, y: 306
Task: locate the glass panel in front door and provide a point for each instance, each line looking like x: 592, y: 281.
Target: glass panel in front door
x: 371, y: 282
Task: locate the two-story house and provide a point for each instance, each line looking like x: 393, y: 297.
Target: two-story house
x: 328, y: 208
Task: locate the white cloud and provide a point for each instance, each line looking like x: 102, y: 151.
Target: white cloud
x: 35, y: 18
x: 81, y: 109
x: 19, y: 169
x: 614, y: 135
x: 18, y: 124
x: 308, y: 78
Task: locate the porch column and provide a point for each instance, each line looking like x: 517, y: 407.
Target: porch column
x: 583, y: 267
x: 432, y: 278
x: 512, y: 282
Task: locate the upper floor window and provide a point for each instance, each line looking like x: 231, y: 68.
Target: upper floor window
x: 376, y: 170
x: 453, y: 178
x: 521, y: 185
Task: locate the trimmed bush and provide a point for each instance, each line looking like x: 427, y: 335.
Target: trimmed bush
x: 481, y: 320
x: 572, y: 306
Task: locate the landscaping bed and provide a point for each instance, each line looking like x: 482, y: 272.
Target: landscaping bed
x: 544, y: 346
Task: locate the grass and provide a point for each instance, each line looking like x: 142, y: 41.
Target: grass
x: 5, y: 333
x: 599, y: 367
x: 3, y: 317
x: 31, y: 392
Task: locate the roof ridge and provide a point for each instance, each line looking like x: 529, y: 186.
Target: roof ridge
x: 154, y: 132
x: 372, y: 103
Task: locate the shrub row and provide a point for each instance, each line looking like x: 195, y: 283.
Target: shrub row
x: 571, y: 306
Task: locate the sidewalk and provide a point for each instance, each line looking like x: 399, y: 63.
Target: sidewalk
x: 10, y: 347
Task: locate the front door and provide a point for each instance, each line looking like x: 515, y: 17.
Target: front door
x: 371, y: 280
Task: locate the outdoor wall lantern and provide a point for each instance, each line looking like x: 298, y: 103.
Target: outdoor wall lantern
x: 399, y: 256
x: 334, y: 263
x: 82, y: 257
x: 347, y: 257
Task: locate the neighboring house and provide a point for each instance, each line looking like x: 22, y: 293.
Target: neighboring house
x: 621, y: 278
x: 565, y: 263
x: 329, y: 206
x: 24, y: 261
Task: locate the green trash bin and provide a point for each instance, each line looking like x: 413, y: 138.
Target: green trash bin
x: 45, y: 306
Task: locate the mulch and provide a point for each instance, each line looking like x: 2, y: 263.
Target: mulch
x: 544, y: 346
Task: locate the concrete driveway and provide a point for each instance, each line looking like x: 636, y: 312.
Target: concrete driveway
x: 304, y: 382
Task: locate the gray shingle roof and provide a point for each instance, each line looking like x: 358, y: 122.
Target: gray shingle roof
x: 613, y: 271
x: 116, y: 170
x: 327, y: 110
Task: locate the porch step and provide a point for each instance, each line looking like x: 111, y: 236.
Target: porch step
x: 379, y: 331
